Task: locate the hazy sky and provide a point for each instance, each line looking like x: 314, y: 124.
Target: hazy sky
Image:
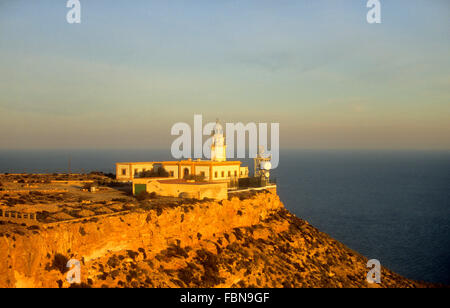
x: 132, y: 69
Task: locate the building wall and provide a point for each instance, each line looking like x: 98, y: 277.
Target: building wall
x: 138, y: 168
x: 217, y: 191
x: 224, y: 173
x: 243, y: 172
x: 123, y: 172
x: 204, y: 169
x: 184, y: 167
x: 132, y: 170
x: 128, y: 171
x: 173, y: 170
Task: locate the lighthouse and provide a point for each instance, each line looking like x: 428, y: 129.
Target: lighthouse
x: 218, y: 146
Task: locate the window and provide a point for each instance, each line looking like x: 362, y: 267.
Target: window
x: 186, y: 171
x: 171, y: 174
x: 202, y: 173
x: 235, y: 173
x: 124, y: 171
x: 215, y: 174
x: 223, y: 173
x: 229, y: 174
x: 241, y: 172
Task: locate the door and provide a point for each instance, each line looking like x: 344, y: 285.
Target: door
x: 138, y: 188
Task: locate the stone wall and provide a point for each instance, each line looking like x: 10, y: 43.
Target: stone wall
x: 26, y: 218
x: 179, y: 188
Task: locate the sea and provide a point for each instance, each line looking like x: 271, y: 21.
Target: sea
x: 393, y: 206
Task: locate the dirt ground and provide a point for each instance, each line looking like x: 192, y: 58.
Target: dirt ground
x: 56, y: 201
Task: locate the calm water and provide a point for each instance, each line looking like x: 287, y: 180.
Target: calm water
x: 391, y: 206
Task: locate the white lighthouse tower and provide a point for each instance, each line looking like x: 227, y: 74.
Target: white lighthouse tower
x: 218, y: 146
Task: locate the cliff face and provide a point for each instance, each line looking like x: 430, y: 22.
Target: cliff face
x: 253, y: 242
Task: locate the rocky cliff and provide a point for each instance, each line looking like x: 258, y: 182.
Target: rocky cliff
x: 251, y: 241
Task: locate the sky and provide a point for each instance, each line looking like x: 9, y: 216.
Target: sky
x: 132, y: 69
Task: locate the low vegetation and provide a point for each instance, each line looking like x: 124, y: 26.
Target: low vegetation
x: 195, y: 177
x: 59, y: 263
x: 144, y: 195
x: 154, y: 173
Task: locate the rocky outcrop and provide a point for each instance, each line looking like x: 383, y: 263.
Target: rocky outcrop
x: 247, y: 242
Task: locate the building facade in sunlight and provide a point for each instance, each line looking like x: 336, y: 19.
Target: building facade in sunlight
x: 215, y: 169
